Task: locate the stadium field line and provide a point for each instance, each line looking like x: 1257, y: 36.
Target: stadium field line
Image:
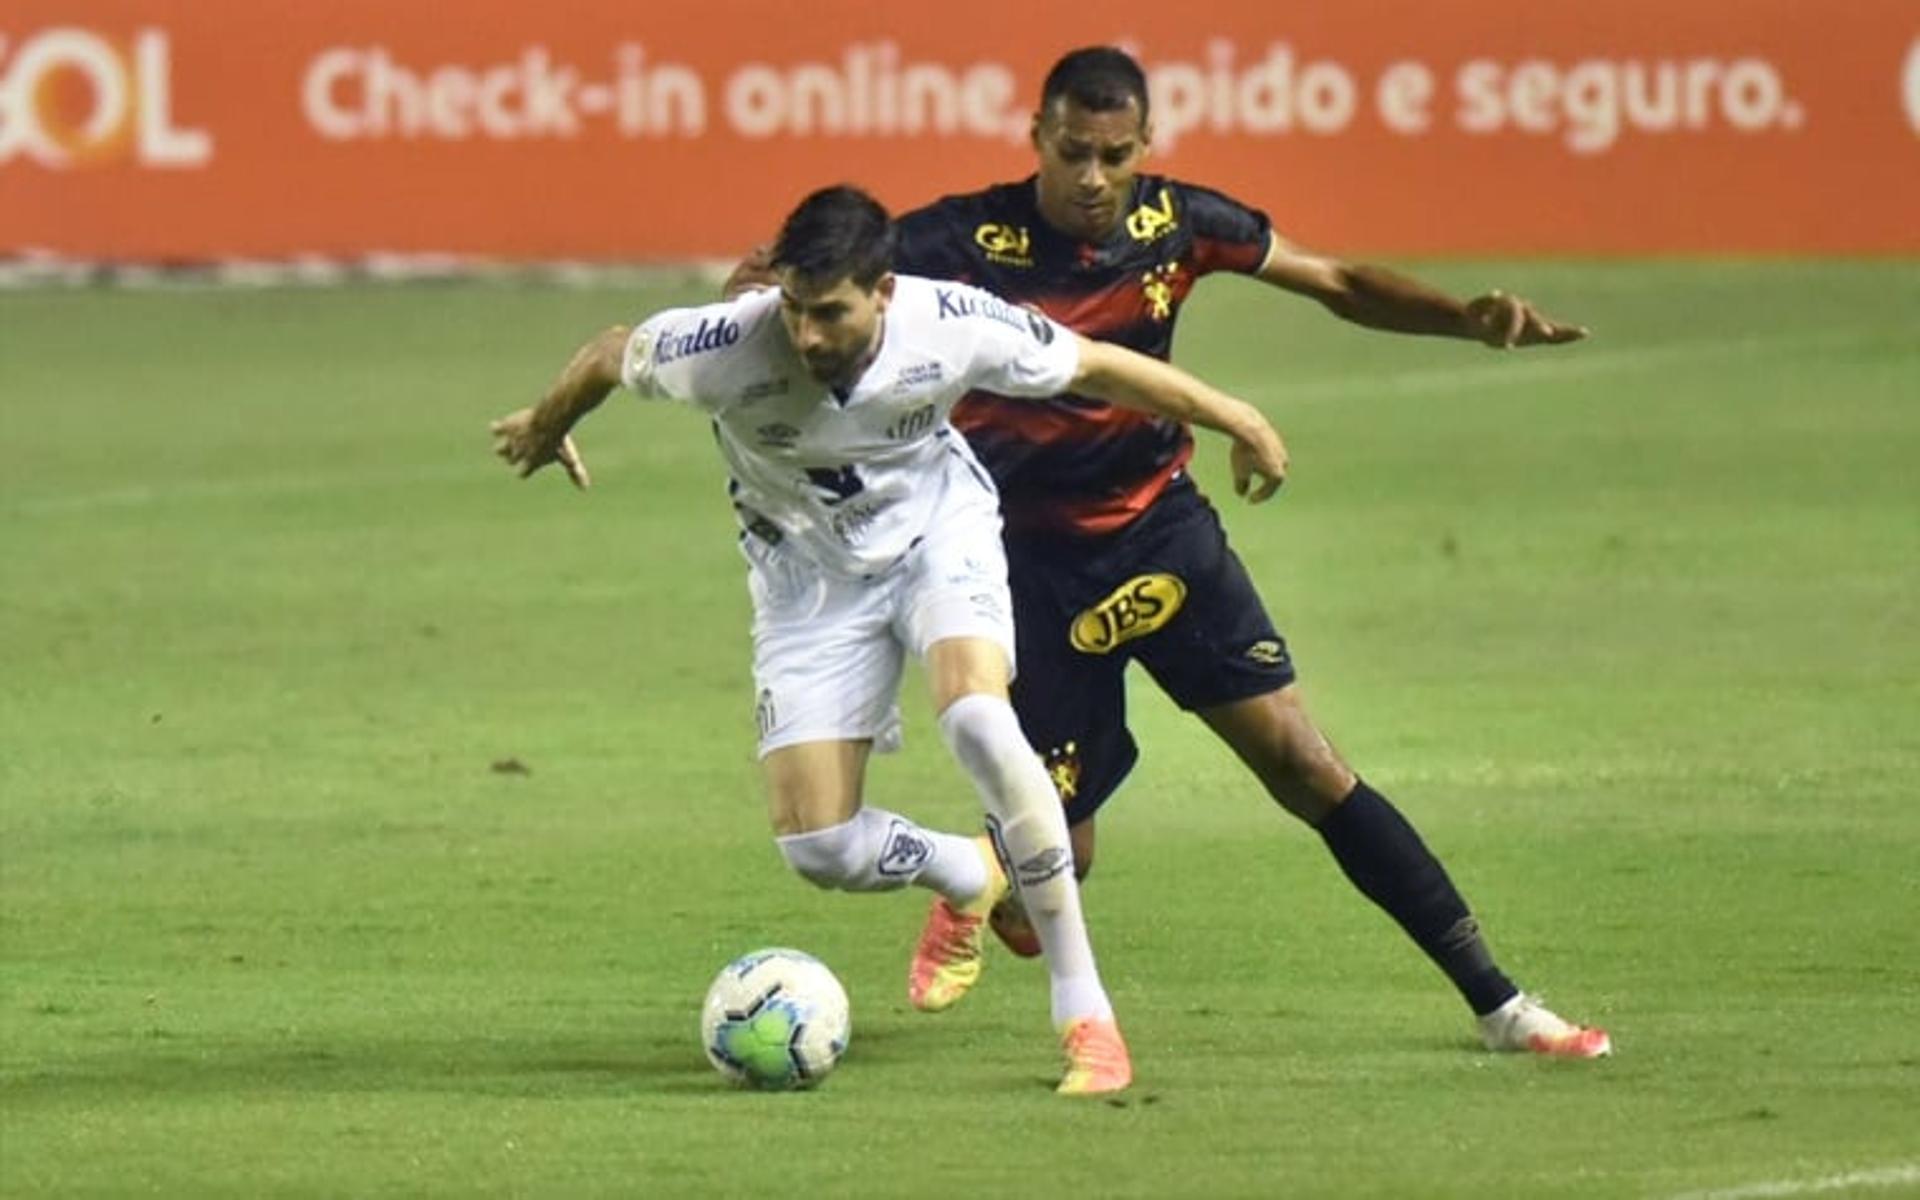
x: 1846, y: 1181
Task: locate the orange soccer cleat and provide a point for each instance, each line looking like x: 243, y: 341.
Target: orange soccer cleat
x: 1524, y: 1025
x: 946, y: 964
x: 1097, y: 1059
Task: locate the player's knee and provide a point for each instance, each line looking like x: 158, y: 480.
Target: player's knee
x: 1081, y: 836
x: 1305, y: 774
x: 827, y: 858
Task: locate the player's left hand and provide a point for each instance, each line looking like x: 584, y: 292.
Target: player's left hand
x: 1259, y: 463
x: 1503, y: 322
x: 522, y: 444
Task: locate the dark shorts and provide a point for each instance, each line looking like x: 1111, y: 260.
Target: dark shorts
x: 1166, y: 592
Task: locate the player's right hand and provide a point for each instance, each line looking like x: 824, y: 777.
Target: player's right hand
x: 753, y: 271
x: 1502, y: 322
x: 521, y: 444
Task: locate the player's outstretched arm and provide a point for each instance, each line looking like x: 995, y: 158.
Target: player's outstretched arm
x: 1382, y: 299
x: 1120, y: 376
x: 530, y: 438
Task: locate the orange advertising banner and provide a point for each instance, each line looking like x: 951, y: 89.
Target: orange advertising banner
x: 662, y: 129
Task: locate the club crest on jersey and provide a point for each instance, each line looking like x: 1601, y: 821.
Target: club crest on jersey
x: 1008, y: 245
x: 1136, y: 608
x: 710, y: 334
x: 1063, y: 767
x: 1157, y: 287
x: 1151, y: 222
x: 905, y: 850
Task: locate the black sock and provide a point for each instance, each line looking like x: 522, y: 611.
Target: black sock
x: 1387, y: 861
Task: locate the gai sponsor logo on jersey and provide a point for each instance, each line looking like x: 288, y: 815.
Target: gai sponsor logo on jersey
x: 1008, y: 245
x: 1135, y: 609
x: 72, y: 97
x: 712, y: 333
x: 1151, y: 222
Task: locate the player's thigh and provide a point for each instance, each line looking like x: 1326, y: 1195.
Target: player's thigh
x: 826, y: 664
x: 1279, y: 742
x: 965, y: 666
x: 954, y: 610
x: 1211, y: 642
x: 1071, y: 700
x: 813, y: 785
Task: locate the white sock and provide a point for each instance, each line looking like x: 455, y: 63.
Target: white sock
x: 1031, y: 832
x: 878, y: 851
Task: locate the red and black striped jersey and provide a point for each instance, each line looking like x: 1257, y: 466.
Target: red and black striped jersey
x: 1070, y: 463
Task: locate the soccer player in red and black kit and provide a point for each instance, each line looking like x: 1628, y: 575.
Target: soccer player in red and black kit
x: 1114, y: 554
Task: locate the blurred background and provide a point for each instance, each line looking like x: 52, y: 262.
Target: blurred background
x: 599, y: 130
x: 371, y: 823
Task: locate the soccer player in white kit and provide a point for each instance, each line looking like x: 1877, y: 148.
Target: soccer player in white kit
x: 870, y: 531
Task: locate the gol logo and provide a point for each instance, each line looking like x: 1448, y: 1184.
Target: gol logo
x: 69, y: 97
x: 1136, y: 608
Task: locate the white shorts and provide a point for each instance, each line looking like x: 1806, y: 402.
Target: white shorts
x: 828, y: 651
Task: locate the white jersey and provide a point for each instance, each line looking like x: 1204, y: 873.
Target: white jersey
x: 853, y: 479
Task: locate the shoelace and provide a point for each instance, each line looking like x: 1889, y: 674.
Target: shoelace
x: 1089, y: 1047
x: 949, y: 937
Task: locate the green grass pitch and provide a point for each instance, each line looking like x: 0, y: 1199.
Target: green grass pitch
x: 1629, y: 629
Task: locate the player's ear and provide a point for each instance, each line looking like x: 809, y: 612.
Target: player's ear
x: 1033, y: 130
x: 883, y: 289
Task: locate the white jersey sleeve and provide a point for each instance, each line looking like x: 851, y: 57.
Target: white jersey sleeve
x: 1016, y: 351
x: 693, y: 355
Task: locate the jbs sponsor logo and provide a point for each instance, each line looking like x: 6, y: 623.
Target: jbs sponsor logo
x: 71, y: 97
x: 1136, y: 608
x: 710, y: 334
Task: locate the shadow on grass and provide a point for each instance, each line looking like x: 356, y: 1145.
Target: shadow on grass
x: 654, y: 1063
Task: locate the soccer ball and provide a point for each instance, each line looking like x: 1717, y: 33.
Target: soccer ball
x: 775, y: 1019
